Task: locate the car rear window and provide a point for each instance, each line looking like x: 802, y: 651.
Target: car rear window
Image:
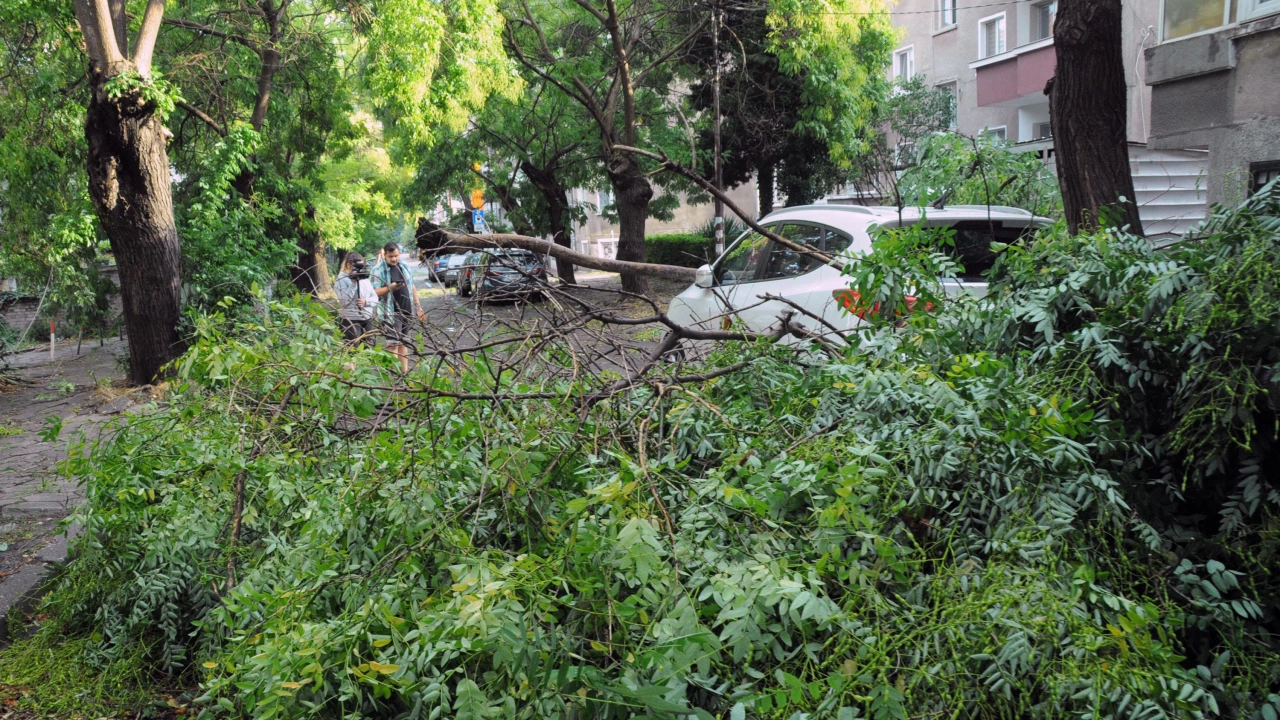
x: 972, y: 248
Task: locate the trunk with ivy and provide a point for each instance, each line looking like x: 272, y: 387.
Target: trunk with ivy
x: 129, y: 183
x: 1088, y: 106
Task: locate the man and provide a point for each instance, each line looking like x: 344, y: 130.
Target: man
x: 397, y: 301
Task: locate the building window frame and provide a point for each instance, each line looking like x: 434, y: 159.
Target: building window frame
x: 909, y: 52
x: 1258, y: 172
x: 1033, y: 24
x: 944, y: 7
x: 1002, y: 42
x: 952, y: 88
x: 1226, y: 21
x: 1254, y: 9
x: 1000, y: 132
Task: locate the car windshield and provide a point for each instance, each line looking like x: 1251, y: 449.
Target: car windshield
x: 522, y: 259
x: 456, y: 260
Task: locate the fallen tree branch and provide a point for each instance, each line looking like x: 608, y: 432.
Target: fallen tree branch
x: 559, y: 252
x: 677, y: 168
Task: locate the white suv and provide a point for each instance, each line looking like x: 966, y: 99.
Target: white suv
x: 735, y: 286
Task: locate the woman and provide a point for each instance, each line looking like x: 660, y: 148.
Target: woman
x: 356, y: 298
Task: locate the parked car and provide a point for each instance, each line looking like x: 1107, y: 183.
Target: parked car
x: 437, y: 266
x: 502, y: 274
x: 451, y: 268
x: 734, y: 287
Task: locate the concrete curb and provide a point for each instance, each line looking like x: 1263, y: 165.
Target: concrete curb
x: 21, y: 591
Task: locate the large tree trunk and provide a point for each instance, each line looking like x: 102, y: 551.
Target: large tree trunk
x: 1088, y: 107
x: 632, y: 193
x: 128, y: 169
x: 765, y: 175
x: 557, y: 205
x: 553, y: 193
x: 311, y: 272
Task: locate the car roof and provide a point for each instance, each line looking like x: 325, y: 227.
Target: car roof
x: 863, y: 216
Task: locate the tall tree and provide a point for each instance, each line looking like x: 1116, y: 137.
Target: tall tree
x: 617, y: 60
x: 529, y: 151
x: 1088, y: 107
x: 128, y: 166
x: 796, y: 113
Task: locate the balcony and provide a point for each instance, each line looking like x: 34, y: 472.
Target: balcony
x: 1016, y: 78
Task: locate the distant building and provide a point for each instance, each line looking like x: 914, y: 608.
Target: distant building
x: 599, y: 237
x: 1214, y: 78
x: 995, y: 59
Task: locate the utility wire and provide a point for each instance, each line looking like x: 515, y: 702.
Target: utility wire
x: 957, y: 9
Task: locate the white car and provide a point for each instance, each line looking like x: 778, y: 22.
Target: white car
x: 735, y: 286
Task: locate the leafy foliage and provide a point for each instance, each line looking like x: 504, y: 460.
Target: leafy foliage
x: 977, y: 171
x: 684, y: 249
x: 1053, y: 502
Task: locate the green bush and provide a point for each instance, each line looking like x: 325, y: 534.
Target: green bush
x: 683, y: 249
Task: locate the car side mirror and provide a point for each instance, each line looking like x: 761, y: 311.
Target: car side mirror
x: 704, y: 278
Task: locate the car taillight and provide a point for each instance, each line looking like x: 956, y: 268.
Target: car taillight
x: 852, y: 301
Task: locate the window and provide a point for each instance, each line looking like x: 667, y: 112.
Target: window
x: 1042, y: 16
x: 740, y: 263
x: 785, y: 262
x: 746, y: 261
x: 991, y: 36
x: 996, y: 134
x: 952, y: 92
x: 606, y: 199
x: 971, y: 246
x: 1043, y: 130
x: 1261, y: 173
x: 904, y: 63
x: 946, y: 13
x: 1185, y: 17
x: 1250, y: 9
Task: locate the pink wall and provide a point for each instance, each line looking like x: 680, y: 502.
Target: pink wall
x: 1020, y: 75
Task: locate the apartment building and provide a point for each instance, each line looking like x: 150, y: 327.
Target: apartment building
x: 1214, y: 78
x: 995, y: 59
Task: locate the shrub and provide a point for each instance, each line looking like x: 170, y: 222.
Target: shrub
x: 683, y: 249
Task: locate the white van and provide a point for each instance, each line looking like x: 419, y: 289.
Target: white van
x: 735, y: 286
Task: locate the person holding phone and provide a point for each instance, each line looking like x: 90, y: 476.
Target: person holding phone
x: 397, y: 302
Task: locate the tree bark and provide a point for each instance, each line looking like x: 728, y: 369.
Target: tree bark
x: 1088, y: 107
x: 765, y: 176
x: 546, y: 247
x: 128, y: 168
x: 632, y: 194
x: 557, y: 200
x: 311, y: 272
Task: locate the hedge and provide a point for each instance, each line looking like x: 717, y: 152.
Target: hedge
x: 683, y: 249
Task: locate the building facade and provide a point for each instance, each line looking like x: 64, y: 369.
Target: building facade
x: 598, y: 236
x: 996, y: 58
x: 1214, y: 77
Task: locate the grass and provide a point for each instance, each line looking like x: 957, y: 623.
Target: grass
x: 46, y: 675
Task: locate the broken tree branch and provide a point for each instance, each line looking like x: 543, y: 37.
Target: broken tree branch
x: 559, y: 252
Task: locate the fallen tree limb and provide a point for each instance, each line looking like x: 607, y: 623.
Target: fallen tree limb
x: 688, y: 174
x: 559, y: 252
